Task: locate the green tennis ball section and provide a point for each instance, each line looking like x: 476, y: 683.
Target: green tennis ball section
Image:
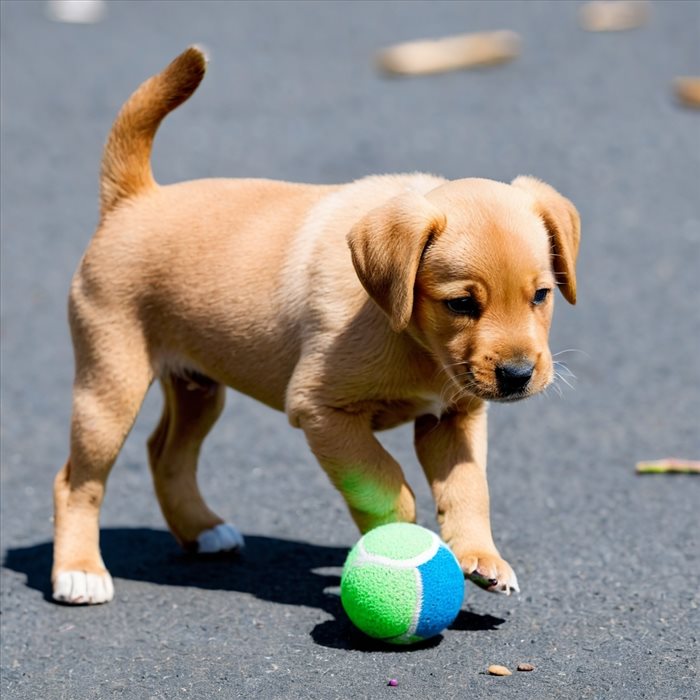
x: 401, y: 584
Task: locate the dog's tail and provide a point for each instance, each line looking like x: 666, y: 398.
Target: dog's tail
x: 126, y: 163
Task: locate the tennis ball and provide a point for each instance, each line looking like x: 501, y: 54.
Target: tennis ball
x: 401, y: 584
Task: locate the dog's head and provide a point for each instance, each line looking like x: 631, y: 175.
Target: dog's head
x: 469, y: 269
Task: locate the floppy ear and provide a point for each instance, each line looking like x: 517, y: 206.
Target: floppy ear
x: 564, y: 226
x: 387, y: 245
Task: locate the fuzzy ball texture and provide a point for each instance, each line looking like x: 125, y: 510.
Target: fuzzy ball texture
x: 401, y: 584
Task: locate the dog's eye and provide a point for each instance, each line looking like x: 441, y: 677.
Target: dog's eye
x: 464, y: 306
x: 540, y: 296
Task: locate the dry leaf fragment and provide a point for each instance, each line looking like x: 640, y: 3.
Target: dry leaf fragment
x: 450, y: 53
x: 614, y: 15
x: 688, y: 90
x: 496, y: 670
x: 669, y: 466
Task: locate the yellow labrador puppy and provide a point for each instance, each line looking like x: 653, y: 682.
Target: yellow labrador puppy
x: 353, y: 308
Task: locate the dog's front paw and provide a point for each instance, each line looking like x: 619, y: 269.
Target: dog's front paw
x: 488, y: 571
x: 222, y: 538
x: 83, y: 588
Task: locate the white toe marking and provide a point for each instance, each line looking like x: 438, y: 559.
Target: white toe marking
x: 79, y: 592
x: 62, y: 587
x: 509, y: 586
x: 222, y: 538
x: 80, y: 588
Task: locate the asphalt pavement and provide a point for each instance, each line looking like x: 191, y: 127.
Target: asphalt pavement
x: 608, y: 561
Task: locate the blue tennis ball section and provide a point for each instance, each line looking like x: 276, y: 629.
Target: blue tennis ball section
x: 401, y: 584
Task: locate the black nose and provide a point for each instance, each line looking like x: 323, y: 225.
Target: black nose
x: 513, y: 377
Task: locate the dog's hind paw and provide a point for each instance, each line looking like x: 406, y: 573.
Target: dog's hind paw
x: 222, y: 538
x: 83, y: 588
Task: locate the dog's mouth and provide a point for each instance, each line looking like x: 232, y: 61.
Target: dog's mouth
x: 491, y: 394
x: 511, y: 398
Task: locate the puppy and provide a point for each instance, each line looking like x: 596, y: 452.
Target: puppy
x: 353, y: 308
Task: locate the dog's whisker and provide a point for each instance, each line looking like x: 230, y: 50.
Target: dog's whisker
x: 446, y: 371
x: 561, y: 366
x: 569, y: 374
x: 561, y: 363
x: 557, y: 388
x: 459, y: 389
x: 456, y: 390
x: 546, y: 392
x: 449, y: 366
x: 562, y: 369
x: 463, y: 390
x: 561, y: 378
x: 456, y: 364
x: 561, y: 352
x: 467, y: 390
x: 449, y: 387
x: 564, y: 379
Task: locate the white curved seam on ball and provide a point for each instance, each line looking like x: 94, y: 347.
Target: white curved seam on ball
x: 364, y: 557
x: 408, y: 635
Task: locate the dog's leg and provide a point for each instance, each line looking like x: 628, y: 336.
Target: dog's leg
x: 111, y: 382
x: 452, y: 451
x: 190, y: 409
x: 368, y: 477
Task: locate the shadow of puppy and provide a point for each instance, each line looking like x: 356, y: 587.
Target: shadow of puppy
x: 280, y: 571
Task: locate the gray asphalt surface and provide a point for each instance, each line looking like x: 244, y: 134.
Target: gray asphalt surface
x: 607, y: 561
